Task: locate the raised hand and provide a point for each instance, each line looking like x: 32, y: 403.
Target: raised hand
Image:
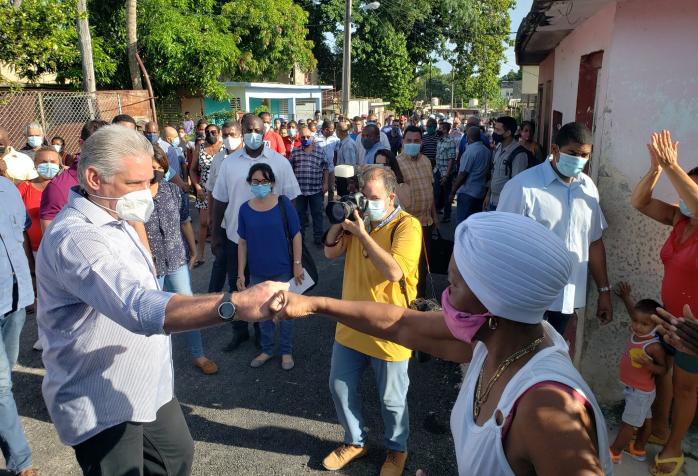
x: 667, y: 152
x: 623, y: 289
x: 679, y: 332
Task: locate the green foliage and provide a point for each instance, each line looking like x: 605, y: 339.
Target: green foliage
x: 261, y: 108
x: 40, y: 38
x: 513, y: 75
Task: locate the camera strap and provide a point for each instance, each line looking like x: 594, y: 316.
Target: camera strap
x: 403, y: 282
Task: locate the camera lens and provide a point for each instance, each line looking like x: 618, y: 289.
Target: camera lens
x: 337, y: 212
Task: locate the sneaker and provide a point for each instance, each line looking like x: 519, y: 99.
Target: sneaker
x: 342, y: 456
x: 637, y: 455
x: 394, y: 463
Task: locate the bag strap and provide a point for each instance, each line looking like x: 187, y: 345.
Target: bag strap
x: 287, y: 232
x: 510, y: 158
x: 402, y: 282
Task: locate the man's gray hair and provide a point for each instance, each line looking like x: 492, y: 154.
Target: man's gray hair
x: 376, y: 172
x: 105, y: 150
x: 34, y: 125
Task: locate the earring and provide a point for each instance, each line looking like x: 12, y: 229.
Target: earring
x: 492, y: 323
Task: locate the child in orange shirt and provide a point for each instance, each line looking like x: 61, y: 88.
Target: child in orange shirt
x: 643, y: 358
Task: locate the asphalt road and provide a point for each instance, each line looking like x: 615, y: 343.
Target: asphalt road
x: 265, y: 421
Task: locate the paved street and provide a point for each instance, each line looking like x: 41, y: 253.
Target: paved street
x: 270, y: 422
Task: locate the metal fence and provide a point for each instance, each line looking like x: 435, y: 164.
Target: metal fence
x: 63, y: 113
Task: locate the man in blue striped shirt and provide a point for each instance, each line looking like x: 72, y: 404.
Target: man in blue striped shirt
x: 104, y: 322
x: 311, y: 169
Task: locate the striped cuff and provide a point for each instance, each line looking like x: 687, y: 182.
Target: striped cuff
x: 151, y: 311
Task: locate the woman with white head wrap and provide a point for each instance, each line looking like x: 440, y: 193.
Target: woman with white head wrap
x: 523, y: 407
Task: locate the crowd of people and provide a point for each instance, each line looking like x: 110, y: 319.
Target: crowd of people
x: 100, y: 245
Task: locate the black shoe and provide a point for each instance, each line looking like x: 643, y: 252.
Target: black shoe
x: 238, y: 338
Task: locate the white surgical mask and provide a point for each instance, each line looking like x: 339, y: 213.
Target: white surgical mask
x: 134, y: 206
x: 376, y: 210
x: 266, y: 127
x: 35, y: 141
x: 232, y: 143
x: 57, y: 148
x: 253, y: 140
x: 175, y: 142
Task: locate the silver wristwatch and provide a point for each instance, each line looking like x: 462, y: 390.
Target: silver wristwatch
x: 226, y: 309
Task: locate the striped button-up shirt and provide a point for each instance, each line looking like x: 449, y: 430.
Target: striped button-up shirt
x: 310, y: 168
x: 101, y: 315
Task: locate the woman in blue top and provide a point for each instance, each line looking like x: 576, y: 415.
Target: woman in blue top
x: 264, y: 249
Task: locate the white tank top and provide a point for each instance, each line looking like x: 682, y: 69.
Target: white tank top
x: 479, y: 449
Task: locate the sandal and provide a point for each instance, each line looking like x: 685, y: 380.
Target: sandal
x: 260, y: 360
x: 655, y: 440
x: 615, y: 458
x: 208, y: 367
x: 637, y: 455
x: 287, y: 362
x: 677, y: 462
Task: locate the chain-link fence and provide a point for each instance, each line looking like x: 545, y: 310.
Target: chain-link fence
x: 63, y: 113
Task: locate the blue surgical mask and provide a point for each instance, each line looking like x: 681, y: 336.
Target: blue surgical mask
x: 306, y: 142
x: 376, y: 210
x: 570, y: 165
x: 412, y: 149
x: 47, y: 170
x: 292, y: 132
x: 35, y: 141
x: 253, y: 140
x: 261, y: 190
x: 175, y: 142
x: 152, y: 137
x: 685, y: 211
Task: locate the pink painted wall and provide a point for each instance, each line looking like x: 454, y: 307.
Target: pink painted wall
x: 649, y: 81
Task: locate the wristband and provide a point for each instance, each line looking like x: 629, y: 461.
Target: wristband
x: 605, y: 289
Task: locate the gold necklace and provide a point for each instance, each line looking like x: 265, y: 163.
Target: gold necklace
x: 480, y: 399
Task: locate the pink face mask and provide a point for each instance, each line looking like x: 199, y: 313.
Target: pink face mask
x: 462, y: 325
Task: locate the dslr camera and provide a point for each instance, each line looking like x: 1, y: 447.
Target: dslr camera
x: 343, y: 209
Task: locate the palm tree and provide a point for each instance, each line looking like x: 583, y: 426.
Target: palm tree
x: 132, y: 39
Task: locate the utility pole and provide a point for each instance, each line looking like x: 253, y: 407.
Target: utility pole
x: 453, y: 89
x: 85, y: 41
x: 346, y: 60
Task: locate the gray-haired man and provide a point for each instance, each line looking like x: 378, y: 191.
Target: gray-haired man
x: 104, y: 321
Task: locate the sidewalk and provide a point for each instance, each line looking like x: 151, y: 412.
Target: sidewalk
x: 630, y: 467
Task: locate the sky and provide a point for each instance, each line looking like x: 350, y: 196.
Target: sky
x: 516, y: 15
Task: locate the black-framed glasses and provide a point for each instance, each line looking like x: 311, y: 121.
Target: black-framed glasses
x: 260, y: 182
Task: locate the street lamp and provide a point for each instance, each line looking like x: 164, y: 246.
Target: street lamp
x: 346, y: 60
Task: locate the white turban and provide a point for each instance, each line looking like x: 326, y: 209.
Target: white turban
x: 515, y: 266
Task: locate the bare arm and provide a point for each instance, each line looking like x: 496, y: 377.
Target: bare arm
x: 458, y: 183
x: 657, y: 362
x: 623, y: 291
x: 424, y: 331
x: 642, y: 199
x: 242, y: 261
x: 541, y: 414
x: 194, y: 168
x: 597, y: 266
x: 325, y: 181
x: 179, y: 181
x: 336, y: 232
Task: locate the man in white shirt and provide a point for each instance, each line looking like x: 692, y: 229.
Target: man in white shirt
x: 232, y: 190
x: 16, y: 294
x: 326, y: 143
x: 561, y: 197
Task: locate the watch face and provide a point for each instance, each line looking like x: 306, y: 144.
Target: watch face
x: 226, y: 310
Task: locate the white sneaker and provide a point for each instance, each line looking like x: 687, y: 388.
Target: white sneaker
x: 37, y: 345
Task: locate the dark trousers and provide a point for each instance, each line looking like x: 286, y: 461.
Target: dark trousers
x: 558, y: 320
x: 441, y: 194
x: 162, y: 447
x: 314, y: 202
x: 467, y: 205
x: 226, y: 264
x: 422, y: 282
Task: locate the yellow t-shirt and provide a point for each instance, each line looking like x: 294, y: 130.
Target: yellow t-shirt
x: 364, y: 282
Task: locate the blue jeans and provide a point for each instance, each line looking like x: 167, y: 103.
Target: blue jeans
x: 180, y: 282
x: 267, y: 328
x: 392, y: 381
x: 14, y: 445
x: 467, y: 205
x: 314, y: 202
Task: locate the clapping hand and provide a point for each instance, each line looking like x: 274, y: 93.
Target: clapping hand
x: 663, y: 152
x: 679, y: 332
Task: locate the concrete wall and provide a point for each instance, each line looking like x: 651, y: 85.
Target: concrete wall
x: 651, y: 83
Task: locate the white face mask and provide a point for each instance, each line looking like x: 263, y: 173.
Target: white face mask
x: 376, y: 210
x: 134, y: 206
x: 267, y: 126
x: 232, y: 143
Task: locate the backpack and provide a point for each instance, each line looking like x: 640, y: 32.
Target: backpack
x: 532, y: 161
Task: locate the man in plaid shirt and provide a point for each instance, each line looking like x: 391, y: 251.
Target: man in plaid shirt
x: 443, y: 168
x: 312, y: 173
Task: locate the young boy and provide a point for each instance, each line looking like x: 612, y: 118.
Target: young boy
x: 643, y: 359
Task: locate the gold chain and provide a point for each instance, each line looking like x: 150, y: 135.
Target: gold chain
x: 480, y: 399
